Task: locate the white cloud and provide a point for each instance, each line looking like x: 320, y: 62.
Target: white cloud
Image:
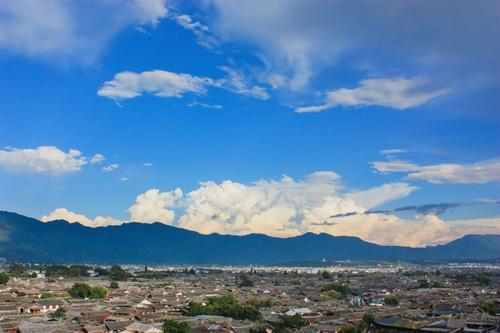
x: 71, y: 31
x: 281, y: 208
x: 287, y: 207
x: 162, y: 83
x: 236, y: 82
x: 201, y: 31
x: 205, y: 105
x: 476, y: 173
x: 123, y: 178
x: 97, y: 158
x: 158, y: 82
x: 392, y: 230
x: 393, y: 151
x: 397, y: 92
x: 111, y: 167
x: 375, y: 196
x: 297, y: 39
x: 64, y: 214
x: 147, y: 164
x: 44, y: 159
x: 394, y: 165
x: 155, y: 206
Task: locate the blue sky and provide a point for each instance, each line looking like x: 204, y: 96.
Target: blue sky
x: 270, y: 120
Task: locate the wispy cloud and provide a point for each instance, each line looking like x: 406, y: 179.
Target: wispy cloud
x: 475, y: 173
x: 397, y: 92
x: 110, y: 167
x: 161, y: 83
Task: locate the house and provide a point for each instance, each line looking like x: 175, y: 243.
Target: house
x: 137, y: 327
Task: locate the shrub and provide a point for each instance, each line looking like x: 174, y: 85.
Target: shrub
x: 173, y: 326
x: 391, y: 300
x: 83, y: 290
x: 4, y: 278
x: 226, y: 306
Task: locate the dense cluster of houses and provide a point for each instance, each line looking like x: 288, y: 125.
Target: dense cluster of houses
x: 29, y: 305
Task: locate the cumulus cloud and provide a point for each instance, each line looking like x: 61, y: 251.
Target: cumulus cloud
x: 111, y: 167
x: 44, y: 159
x: 97, y: 158
x: 396, y: 92
x: 393, y: 230
x: 297, y: 39
x: 288, y: 207
x: 475, y: 173
x: 64, y: 214
x: 60, y: 30
x: 155, y: 206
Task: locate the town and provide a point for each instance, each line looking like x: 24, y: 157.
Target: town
x: 383, y: 297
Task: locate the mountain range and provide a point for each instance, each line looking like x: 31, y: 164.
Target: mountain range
x: 25, y: 239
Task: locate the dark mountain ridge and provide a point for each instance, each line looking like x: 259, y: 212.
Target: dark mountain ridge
x: 26, y: 239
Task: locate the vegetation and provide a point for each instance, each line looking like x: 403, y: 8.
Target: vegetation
x: 101, y: 271
x: 483, y: 279
x: 338, y: 287
x: 59, y: 313
x: 226, y: 306
x: 17, y: 269
x: 290, y: 323
x: 244, y: 281
x: 4, y: 278
x: 391, y: 300
x: 69, y: 271
x: 262, y: 303
x: 114, y: 285
x: 173, y: 326
x: 432, y: 284
x: 326, y: 275
x: 47, y: 295
x: 117, y: 273
x: 368, y: 319
x: 489, y: 308
x: 335, y: 290
x: 83, y: 290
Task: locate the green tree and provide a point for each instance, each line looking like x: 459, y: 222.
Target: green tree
x: 59, y: 313
x: 244, y: 281
x: 101, y: 271
x: 290, y: 323
x: 489, y: 308
x: 117, y: 273
x: 114, y: 285
x: 483, y: 279
x: 4, y: 278
x: 347, y: 329
x: 80, y: 290
x: 227, y: 306
x: 98, y: 292
x: 173, y: 326
x: 83, y: 290
x: 368, y: 318
x: 17, y: 269
x: 391, y: 300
